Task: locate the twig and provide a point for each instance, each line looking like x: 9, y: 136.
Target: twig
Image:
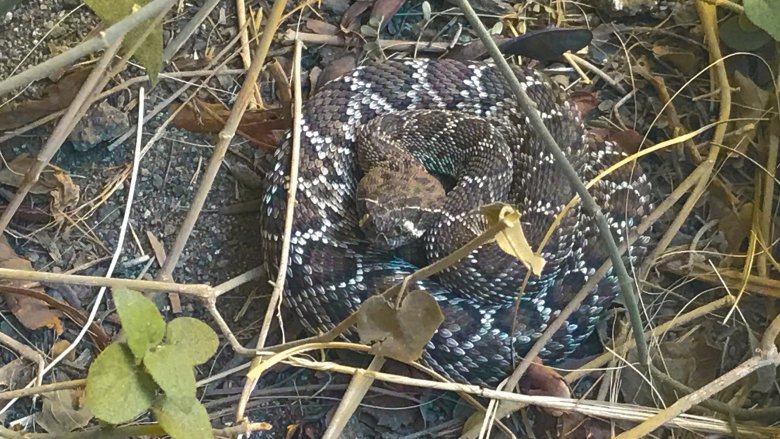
x: 598, y: 409
x: 40, y: 389
x: 295, y: 157
x: 766, y: 358
x: 358, y: 387
x: 198, y: 290
x: 707, y: 15
x: 119, y: 246
x: 336, y: 40
x: 57, y: 136
x: 246, y: 57
x: 28, y: 353
x: 730, y: 410
x: 588, y: 203
x: 574, y: 59
x: 138, y: 430
x: 203, y: 12
x: 106, y: 39
x: 584, y: 291
x: 225, y: 136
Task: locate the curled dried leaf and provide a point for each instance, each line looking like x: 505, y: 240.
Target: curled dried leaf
x: 512, y: 239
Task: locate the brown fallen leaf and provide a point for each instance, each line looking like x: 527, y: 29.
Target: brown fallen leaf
x: 64, y: 411
x: 750, y: 105
x: 263, y: 128
x: 386, y: 9
x: 321, y: 27
x: 350, y: 22
x: 96, y: 333
x: 16, y: 374
x: 31, y: 312
x: 543, y: 381
x: 336, y: 69
x: 629, y: 141
x: 53, y: 181
x: 59, y: 347
x: 400, y: 333
x: 56, y: 97
x: 685, y: 60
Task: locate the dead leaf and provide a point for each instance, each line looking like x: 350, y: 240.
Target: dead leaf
x: 53, y: 181
x: 321, y: 27
x: 59, y: 347
x: 16, y: 374
x: 401, y: 333
x: 629, y: 141
x: 336, y: 69
x: 751, y: 104
x: 64, y: 411
x: 512, y: 239
x: 56, y: 97
x: 263, y: 128
x: 544, y: 381
x: 384, y: 10
x: 31, y: 312
x: 688, y: 359
x: 684, y: 60
x: 585, y: 101
x: 736, y: 226
x: 350, y: 22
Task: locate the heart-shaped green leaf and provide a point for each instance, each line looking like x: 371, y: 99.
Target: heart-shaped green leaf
x: 142, y: 323
x: 118, y: 390
x: 195, y: 340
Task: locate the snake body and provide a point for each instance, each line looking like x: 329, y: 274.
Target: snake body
x: 333, y: 267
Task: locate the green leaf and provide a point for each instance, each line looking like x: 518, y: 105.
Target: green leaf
x: 171, y: 371
x: 183, y: 422
x: 194, y: 339
x: 764, y: 14
x: 141, y: 321
x: 118, y: 390
x: 149, y: 54
x: 740, y: 34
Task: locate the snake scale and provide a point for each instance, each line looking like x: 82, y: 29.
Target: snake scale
x: 334, y: 265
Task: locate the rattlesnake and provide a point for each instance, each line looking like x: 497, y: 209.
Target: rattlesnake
x: 333, y: 267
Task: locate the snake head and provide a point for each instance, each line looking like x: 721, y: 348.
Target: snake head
x: 397, y: 205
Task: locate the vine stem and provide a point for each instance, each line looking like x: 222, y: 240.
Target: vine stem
x: 589, y: 204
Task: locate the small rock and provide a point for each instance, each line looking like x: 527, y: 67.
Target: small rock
x: 338, y: 7
x: 102, y: 123
x: 157, y: 181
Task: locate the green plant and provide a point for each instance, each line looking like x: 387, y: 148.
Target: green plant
x: 149, y: 54
x: 152, y: 369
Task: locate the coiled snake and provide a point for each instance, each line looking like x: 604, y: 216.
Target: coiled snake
x: 459, y: 120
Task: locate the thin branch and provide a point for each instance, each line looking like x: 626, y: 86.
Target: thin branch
x: 198, y: 290
x: 684, y: 404
x: 588, y: 203
x: 225, y: 136
x: 186, y: 32
x: 598, y: 409
x: 57, y: 137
